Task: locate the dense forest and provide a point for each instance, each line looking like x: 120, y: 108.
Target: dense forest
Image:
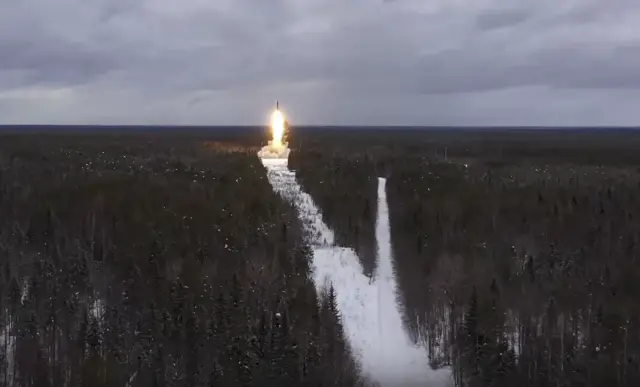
x: 516, y: 253
x: 537, y: 263
x: 149, y: 260
x: 348, y: 198
x: 166, y: 260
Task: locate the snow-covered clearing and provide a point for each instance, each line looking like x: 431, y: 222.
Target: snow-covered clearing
x: 369, y: 308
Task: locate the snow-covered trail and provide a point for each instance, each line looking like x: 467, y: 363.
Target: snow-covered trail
x: 370, y: 314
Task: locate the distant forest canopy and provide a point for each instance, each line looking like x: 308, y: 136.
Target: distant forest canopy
x: 141, y: 261
x: 517, y: 256
x: 168, y: 260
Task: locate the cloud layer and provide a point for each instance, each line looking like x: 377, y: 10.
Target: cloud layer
x: 369, y: 62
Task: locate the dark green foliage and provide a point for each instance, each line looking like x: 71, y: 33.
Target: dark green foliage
x: 155, y: 261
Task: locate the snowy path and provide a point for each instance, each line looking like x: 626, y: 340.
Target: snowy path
x: 370, y: 313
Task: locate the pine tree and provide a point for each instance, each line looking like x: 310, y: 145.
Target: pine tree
x: 470, y: 338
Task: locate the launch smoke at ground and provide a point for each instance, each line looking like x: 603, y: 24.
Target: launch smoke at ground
x: 370, y: 313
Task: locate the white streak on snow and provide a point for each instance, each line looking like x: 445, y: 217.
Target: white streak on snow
x: 7, y: 346
x: 8, y: 340
x: 96, y: 310
x: 24, y: 294
x: 369, y: 310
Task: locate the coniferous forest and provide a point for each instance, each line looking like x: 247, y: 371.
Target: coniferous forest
x: 517, y: 252
x: 134, y: 260
x: 165, y: 258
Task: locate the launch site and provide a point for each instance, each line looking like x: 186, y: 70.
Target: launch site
x: 319, y: 194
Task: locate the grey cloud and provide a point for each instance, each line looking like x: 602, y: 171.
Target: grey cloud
x: 567, y: 67
x: 480, y: 63
x: 335, y: 61
x: 50, y: 61
x: 495, y: 19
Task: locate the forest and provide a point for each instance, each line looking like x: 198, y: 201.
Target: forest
x: 166, y: 259
x: 516, y: 251
x: 156, y: 260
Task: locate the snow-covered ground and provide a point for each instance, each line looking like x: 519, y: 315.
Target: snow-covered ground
x: 7, y: 346
x: 8, y: 340
x: 369, y: 309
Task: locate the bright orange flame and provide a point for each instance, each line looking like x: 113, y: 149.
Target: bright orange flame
x: 277, y: 128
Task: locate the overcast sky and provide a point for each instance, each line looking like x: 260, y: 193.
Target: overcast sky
x: 364, y: 62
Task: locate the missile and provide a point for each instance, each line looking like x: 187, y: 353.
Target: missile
x: 277, y: 105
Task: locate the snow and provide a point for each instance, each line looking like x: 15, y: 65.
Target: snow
x: 97, y: 310
x: 7, y: 347
x: 271, y: 152
x: 272, y: 162
x: 369, y: 309
x: 8, y: 339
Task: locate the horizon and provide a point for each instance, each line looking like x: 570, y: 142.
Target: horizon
x: 390, y: 63
x: 327, y: 127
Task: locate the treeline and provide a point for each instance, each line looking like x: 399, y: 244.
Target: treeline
x: 142, y: 261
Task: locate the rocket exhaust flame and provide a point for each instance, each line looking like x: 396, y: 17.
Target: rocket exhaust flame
x: 277, y: 128
x: 276, y: 149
